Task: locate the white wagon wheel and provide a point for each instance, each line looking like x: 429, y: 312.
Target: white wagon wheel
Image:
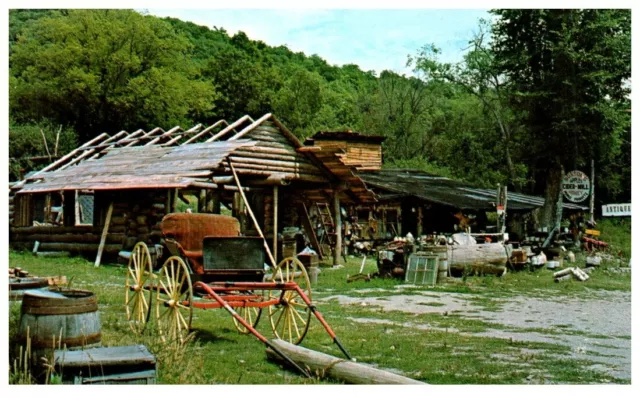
x: 174, y: 299
x: 290, y: 318
x: 138, y: 287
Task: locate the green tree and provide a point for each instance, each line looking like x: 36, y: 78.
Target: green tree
x: 100, y: 70
x: 567, y: 70
x: 478, y: 75
x: 299, y: 101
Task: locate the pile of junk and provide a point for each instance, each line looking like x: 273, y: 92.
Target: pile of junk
x: 464, y: 253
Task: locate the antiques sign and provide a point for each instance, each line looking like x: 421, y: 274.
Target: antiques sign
x: 576, y: 186
x: 618, y: 209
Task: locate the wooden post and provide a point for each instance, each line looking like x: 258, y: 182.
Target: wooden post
x: 174, y: 200
x: 498, y: 224
x: 340, y: 369
x: 504, y: 205
x: 338, y: 222
x: 419, y: 231
x: 167, y: 206
x: 76, y: 206
x: 202, y: 201
x: 253, y: 217
x: 275, y: 221
x: 103, y: 238
x: 593, y: 188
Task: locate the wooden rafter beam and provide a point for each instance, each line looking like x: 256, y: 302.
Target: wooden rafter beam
x: 250, y: 127
x: 230, y: 127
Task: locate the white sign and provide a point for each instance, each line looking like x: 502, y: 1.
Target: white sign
x: 618, y: 209
x: 576, y: 186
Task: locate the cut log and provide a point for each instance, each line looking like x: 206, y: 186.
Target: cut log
x: 340, y: 369
x: 579, y: 274
x: 53, y: 254
x: 486, y: 258
x: 563, y: 272
x: 564, y: 278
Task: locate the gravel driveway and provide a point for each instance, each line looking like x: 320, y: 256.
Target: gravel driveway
x: 596, y: 328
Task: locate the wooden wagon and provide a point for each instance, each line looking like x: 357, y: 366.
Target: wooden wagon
x: 208, y: 265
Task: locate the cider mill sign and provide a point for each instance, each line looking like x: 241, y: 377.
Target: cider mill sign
x: 576, y: 186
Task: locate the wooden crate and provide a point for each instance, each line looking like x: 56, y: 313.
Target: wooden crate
x: 309, y: 260
x: 288, y: 248
x: 107, y: 365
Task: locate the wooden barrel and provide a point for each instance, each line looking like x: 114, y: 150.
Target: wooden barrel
x: 64, y: 317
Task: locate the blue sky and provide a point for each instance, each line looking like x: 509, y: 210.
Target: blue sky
x: 373, y: 39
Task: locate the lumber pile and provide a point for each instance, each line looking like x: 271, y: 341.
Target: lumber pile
x: 324, y: 365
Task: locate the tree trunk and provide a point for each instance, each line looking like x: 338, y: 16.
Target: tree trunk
x: 549, y: 210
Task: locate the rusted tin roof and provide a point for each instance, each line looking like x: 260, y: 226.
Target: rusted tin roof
x: 393, y: 184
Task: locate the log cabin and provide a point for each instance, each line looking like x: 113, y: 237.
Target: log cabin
x: 126, y: 183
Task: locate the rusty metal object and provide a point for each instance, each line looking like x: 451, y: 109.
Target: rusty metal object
x: 186, y: 231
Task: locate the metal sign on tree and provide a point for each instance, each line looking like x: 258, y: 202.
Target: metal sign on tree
x: 576, y: 186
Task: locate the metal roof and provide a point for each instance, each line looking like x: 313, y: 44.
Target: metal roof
x: 389, y: 183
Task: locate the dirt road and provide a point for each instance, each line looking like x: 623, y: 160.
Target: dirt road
x: 596, y: 328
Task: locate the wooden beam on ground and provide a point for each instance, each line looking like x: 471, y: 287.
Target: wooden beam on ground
x: 324, y: 365
x: 104, y: 235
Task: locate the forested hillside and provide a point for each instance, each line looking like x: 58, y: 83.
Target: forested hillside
x: 91, y: 71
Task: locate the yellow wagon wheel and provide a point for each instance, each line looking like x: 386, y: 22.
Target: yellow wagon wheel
x: 291, y: 317
x: 250, y: 314
x: 174, y: 299
x: 138, y: 286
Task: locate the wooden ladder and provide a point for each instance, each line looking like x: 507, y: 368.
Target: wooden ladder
x: 329, y: 228
x: 311, y: 234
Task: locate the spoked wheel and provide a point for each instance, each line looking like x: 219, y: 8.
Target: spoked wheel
x: 250, y: 314
x: 291, y: 316
x: 138, y: 286
x: 174, y: 298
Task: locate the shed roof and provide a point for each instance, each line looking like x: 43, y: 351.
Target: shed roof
x: 141, y: 167
x: 392, y: 183
x: 262, y: 149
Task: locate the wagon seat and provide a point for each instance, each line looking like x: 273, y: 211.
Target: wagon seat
x: 184, y: 233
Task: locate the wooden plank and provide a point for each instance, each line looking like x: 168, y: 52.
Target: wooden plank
x: 275, y: 221
x: 250, y: 127
x: 104, y: 235
x: 324, y: 365
x: 105, y: 356
x: 311, y: 234
x: 253, y: 217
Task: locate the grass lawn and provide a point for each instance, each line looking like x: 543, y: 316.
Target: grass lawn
x: 220, y: 354
x: 442, y: 355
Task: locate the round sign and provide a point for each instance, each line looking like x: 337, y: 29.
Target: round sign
x: 576, y: 186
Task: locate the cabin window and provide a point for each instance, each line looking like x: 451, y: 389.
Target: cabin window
x: 48, y: 209
x: 84, y: 205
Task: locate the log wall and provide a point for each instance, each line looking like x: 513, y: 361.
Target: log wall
x: 136, y: 217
